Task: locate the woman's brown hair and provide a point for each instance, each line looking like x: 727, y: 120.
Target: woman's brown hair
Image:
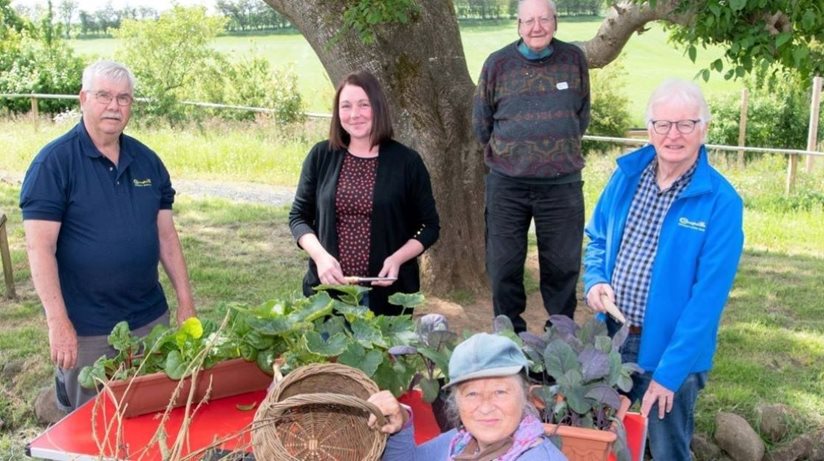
x: 381, y: 121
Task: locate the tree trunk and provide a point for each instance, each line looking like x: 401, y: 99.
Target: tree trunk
x: 423, y: 70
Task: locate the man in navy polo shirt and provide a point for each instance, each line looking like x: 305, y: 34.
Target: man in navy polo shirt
x: 97, y: 212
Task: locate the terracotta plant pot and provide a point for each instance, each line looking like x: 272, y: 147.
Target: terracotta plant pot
x: 153, y: 392
x: 581, y: 443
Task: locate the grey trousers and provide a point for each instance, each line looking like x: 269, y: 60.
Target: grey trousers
x: 70, y: 394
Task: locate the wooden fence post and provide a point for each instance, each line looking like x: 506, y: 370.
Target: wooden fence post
x: 6, y: 257
x: 812, y: 134
x: 35, y: 113
x: 742, y: 126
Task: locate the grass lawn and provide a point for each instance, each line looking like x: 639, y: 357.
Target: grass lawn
x: 771, y: 342
x: 649, y: 56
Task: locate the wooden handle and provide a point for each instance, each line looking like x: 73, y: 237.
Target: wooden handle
x: 612, y: 309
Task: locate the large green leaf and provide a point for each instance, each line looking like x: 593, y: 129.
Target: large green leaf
x: 350, y: 311
x: 121, y: 337
x: 354, y: 354
x: 331, y: 347
x: 559, y: 358
x: 274, y: 326
x: 265, y: 359
x: 314, y: 307
x: 439, y: 358
x: 575, y: 395
x: 350, y: 294
x: 430, y: 389
x: 367, y: 334
x: 408, y: 300
x: 371, y: 362
x: 175, y: 367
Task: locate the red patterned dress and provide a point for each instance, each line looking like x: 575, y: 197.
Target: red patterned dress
x: 353, y: 205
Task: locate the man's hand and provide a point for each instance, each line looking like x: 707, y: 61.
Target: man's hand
x: 184, y: 311
x: 63, y: 343
x: 659, y: 394
x: 396, y: 415
x: 595, y: 294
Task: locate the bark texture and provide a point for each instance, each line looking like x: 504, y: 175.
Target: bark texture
x: 422, y: 67
x: 423, y: 70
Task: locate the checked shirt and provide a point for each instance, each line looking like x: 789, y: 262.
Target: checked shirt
x: 639, y: 244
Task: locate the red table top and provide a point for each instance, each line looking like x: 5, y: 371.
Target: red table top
x: 221, y: 420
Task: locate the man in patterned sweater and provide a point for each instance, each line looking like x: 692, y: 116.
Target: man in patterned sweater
x: 531, y: 109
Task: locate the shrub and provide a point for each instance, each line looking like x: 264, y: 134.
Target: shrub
x: 30, y: 65
x: 168, y: 57
x: 778, y: 115
x: 610, y: 114
x: 252, y: 82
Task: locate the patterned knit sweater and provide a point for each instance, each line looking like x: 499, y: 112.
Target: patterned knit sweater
x: 530, y: 115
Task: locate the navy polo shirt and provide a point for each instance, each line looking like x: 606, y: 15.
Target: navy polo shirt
x: 108, y: 248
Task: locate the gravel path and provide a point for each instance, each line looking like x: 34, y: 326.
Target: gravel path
x: 243, y: 192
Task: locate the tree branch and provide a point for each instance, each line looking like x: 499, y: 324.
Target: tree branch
x: 623, y: 19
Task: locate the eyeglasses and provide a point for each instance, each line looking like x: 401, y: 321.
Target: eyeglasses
x: 683, y: 126
x: 105, y: 98
x: 544, y: 21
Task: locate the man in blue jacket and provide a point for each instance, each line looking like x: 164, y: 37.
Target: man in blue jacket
x: 665, y: 240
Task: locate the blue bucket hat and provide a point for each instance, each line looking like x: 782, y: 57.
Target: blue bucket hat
x: 485, y: 355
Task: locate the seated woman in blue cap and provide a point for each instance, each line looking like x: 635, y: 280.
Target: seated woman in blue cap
x: 488, y: 395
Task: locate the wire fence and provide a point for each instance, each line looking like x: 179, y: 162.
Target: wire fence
x: 793, y: 154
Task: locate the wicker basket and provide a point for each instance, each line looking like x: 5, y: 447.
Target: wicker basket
x: 319, y: 412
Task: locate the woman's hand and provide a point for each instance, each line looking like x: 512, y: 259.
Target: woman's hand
x: 390, y: 268
x: 395, y: 414
x: 329, y: 271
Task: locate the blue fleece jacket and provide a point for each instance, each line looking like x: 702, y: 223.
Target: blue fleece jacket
x: 699, y: 248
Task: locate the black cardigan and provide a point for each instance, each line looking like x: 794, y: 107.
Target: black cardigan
x: 403, y: 208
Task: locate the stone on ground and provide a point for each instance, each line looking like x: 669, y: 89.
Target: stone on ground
x: 737, y: 438
x: 45, y: 406
x: 773, y: 421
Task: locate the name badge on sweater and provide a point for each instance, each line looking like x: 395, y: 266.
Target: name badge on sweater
x: 562, y: 85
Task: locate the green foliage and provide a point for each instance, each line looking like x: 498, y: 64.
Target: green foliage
x: 321, y: 328
x: 168, y: 56
x: 609, y: 114
x: 585, y: 364
x: 778, y: 114
x: 789, y: 33
x: 30, y: 63
x: 363, y: 16
x: 176, y: 352
x: 430, y: 349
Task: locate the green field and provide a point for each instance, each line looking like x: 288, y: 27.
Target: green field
x: 648, y: 58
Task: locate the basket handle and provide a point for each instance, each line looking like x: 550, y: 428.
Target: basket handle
x: 277, y: 409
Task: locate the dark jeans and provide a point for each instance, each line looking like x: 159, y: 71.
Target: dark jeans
x: 558, y: 211
x: 669, y: 438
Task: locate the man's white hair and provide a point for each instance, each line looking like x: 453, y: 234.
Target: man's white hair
x: 549, y: 3
x: 675, y: 90
x: 109, y: 70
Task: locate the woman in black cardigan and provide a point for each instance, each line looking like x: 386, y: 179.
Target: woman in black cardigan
x: 364, y: 205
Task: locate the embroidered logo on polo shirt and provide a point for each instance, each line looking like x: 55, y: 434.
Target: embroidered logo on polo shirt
x: 142, y: 182
x: 694, y: 225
